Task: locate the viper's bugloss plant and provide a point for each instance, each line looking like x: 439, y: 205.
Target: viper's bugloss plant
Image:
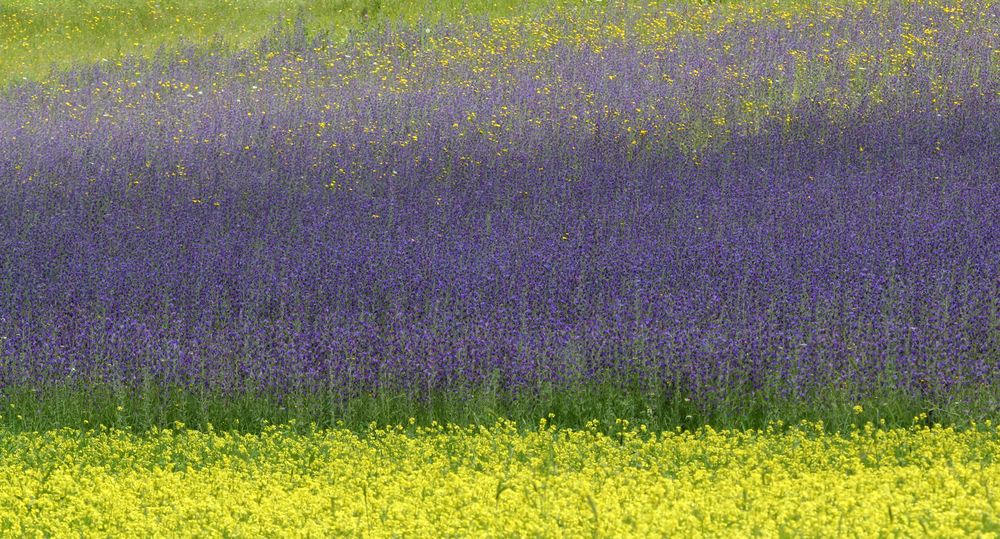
x: 768, y: 204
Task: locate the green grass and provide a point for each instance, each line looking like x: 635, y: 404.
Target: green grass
x: 24, y: 410
x: 37, y: 36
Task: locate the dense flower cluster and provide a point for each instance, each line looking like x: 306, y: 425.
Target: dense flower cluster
x: 716, y: 201
x: 498, y: 482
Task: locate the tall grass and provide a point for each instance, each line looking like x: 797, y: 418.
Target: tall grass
x: 28, y: 410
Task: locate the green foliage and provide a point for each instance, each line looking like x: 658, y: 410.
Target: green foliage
x: 38, y: 36
x: 93, y: 406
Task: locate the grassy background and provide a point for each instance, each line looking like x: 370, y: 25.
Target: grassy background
x: 37, y: 36
x: 92, y: 406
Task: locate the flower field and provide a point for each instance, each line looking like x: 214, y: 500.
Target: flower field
x: 496, y: 481
x: 736, y: 215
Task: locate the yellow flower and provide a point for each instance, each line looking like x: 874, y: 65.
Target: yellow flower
x: 492, y: 481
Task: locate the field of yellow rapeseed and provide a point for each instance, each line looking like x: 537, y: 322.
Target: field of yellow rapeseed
x: 497, y: 481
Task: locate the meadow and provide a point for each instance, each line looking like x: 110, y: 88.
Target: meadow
x: 39, y: 36
x: 500, y: 481
x: 332, y: 229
